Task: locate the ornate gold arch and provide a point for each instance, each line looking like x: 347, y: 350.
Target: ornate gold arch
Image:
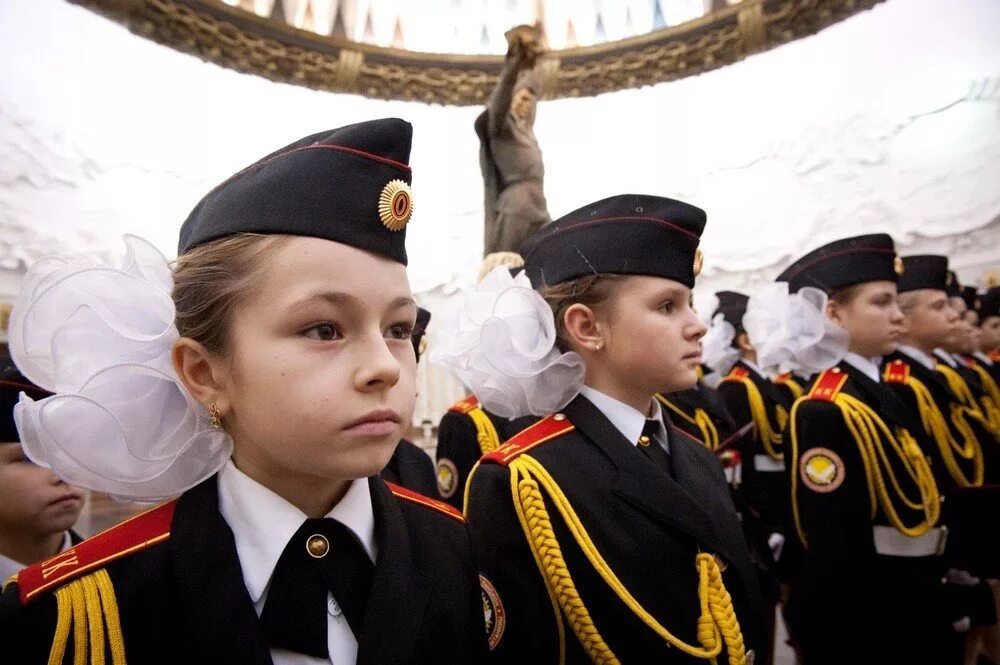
x: 248, y: 43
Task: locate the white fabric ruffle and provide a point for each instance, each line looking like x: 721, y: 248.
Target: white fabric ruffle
x: 717, y: 350
x: 501, y: 345
x: 100, y: 337
x: 790, y: 331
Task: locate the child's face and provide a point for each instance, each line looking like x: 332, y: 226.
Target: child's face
x: 652, y: 334
x: 990, y: 330
x: 32, y: 499
x: 931, y: 321
x: 323, y: 370
x: 872, y: 318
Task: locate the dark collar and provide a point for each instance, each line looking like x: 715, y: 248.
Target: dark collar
x: 682, y: 502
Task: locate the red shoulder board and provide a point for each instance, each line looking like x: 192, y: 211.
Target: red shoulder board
x: 896, y: 371
x: 433, y: 504
x: 994, y: 356
x: 132, y: 535
x: 737, y: 374
x: 828, y: 385
x: 464, y: 406
x: 544, y: 430
x: 783, y: 378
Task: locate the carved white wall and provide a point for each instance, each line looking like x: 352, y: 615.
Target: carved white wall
x: 888, y: 121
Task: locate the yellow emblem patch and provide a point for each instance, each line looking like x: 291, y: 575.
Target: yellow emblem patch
x: 447, y: 478
x: 493, y: 612
x: 395, y: 205
x: 699, y: 258
x: 821, y: 470
x: 897, y: 265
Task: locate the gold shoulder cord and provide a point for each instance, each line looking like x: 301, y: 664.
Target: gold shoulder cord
x: 935, y: 425
x: 872, y: 435
x: 717, y: 623
x: 991, y: 401
x: 969, y: 406
x: 794, y: 386
x: 701, y: 420
x: 768, y: 437
x: 486, y: 433
x: 88, y: 608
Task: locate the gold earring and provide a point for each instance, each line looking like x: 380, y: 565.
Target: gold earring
x: 216, y: 416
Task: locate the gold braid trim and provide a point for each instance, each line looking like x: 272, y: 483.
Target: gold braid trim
x: 717, y: 623
x: 701, y: 420
x: 872, y: 436
x: 937, y: 427
x: 969, y: 406
x: 88, y: 607
x: 769, y: 438
x: 486, y: 433
x: 793, y: 386
x: 991, y: 401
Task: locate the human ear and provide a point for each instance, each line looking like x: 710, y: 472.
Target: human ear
x: 582, y: 328
x: 201, y: 372
x: 743, y: 341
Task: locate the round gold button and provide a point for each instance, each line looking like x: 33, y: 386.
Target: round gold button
x: 317, y: 546
x: 644, y: 440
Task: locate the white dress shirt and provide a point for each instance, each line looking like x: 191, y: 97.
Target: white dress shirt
x: 918, y: 355
x: 946, y: 358
x: 983, y: 358
x: 263, y: 523
x: 627, y: 420
x: 867, y: 366
x: 9, y: 567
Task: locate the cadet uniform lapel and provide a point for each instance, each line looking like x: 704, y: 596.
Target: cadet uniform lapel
x: 209, y: 581
x: 641, y: 483
x: 400, y: 591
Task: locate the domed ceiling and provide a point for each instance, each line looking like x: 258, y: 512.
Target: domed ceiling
x: 451, y: 51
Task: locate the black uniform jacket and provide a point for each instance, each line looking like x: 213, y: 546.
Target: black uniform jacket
x: 706, y: 398
x: 411, y: 468
x: 766, y: 491
x: 945, y: 400
x: 646, y: 525
x: 851, y: 604
x: 183, y: 599
x: 458, y: 447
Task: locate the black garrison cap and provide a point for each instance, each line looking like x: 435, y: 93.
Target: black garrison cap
x: 989, y: 304
x: 350, y: 185
x: 12, y: 384
x: 628, y: 234
x: 419, y: 330
x: 924, y: 271
x: 845, y: 262
x: 970, y: 295
x: 732, y: 305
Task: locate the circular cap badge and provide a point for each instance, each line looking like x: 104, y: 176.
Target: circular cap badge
x: 395, y: 205
x: 821, y: 470
x: 699, y: 258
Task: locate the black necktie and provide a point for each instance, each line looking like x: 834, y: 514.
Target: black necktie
x: 650, y: 446
x: 323, y: 556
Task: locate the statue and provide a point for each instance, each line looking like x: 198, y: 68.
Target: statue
x: 509, y: 156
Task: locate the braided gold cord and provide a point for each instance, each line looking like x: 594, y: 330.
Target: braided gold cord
x: 486, y: 433
x: 869, y: 431
x: 64, y: 622
x: 991, y: 401
x: 718, y: 618
x: 768, y: 437
x: 937, y: 427
x: 86, y: 607
x: 701, y: 420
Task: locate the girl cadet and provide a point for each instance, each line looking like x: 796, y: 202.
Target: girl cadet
x: 864, y: 501
x: 270, y: 408
x: 602, y: 533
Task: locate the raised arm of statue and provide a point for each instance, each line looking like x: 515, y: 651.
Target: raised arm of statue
x: 509, y: 156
